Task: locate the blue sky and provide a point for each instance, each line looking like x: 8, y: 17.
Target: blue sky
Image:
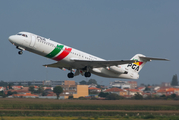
x: 113, y: 30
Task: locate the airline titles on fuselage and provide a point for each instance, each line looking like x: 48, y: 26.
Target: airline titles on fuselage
x: 43, y: 40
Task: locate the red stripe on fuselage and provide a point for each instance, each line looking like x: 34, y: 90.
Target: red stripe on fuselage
x: 63, y: 54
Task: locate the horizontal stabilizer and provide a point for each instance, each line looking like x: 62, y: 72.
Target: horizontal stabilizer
x: 151, y: 58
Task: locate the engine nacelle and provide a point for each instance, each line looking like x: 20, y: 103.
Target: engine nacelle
x: 117, y: 70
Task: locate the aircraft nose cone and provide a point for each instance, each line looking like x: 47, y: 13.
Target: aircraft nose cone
x: 12, y: 38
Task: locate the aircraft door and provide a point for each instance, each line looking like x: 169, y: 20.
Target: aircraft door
x: 33, y: 40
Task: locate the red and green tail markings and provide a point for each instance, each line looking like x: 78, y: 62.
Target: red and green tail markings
x: 57, y: 50
x: 137, y: 62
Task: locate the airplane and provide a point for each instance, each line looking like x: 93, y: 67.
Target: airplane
x: 78, y: 62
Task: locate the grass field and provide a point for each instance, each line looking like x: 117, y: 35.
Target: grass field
x: 50, y: 109
x: 88, y: 102
x: 89, y: 118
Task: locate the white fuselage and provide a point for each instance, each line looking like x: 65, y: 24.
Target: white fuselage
x: 65, y: 54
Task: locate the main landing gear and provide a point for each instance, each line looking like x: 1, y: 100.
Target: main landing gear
x: 87, y: 74
x: 71, y: 75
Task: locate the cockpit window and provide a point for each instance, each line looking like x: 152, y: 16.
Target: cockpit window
x: 22, y: 34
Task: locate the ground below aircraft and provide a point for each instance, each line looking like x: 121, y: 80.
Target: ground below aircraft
x: 78, y: 62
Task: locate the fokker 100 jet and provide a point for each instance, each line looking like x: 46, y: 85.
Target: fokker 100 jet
x: 78, y: 62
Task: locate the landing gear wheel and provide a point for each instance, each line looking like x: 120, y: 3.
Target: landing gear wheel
x: 70, y: 75
x: 87, y: 74
x: 20, y: 52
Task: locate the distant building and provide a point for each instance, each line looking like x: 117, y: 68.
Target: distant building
x: 121, y: 92
x: 82, y: 91
x: 48, y: 88
x: 19, y: 91
x: 2, y: 88
x: 94, y: 89
x: 92, y: 85
x: 167, y: 91
x: 120, y: 84
x: 134, y: 91
x: 52, y: 83
x: 69, y: 82
x: 68, y: 90
x: 47, y: 82
x: 176, y: 91
x: 133, y: 84
x: 58, y: 82
x: 141, y: 88
x: 156, y: 88
x: 161, y: 91
x: 25, y: 95
x: 17, y: 87
x: 170, y: 91
x: 124, y: 84
x: 165, y: 84
x: 74, y: 90
x: 153, y: 89
x: 37, y: 83
x: 27, y: 83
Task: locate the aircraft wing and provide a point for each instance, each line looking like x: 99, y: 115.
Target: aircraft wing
x: 58, y: 65
x: 151, y: 58
x: 101, y: 63
x: 55, y: 65
x: 90, y: 63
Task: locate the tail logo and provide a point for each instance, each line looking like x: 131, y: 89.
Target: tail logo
x: 135, y: 65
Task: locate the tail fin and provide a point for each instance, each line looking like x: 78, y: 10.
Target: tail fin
x: 138, y: 65
x: 140, y: 62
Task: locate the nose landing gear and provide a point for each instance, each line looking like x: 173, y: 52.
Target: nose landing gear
x: 21, y: 50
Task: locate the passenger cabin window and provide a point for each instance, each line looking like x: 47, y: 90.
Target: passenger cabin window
x: 24, y: 35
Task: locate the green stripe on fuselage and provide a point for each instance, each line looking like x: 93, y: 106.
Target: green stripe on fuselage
x: 55, y: 51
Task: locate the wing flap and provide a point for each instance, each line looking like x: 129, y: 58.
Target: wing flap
x: 55, y: 65
x: 96, y: 64
x: 58, y: 65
